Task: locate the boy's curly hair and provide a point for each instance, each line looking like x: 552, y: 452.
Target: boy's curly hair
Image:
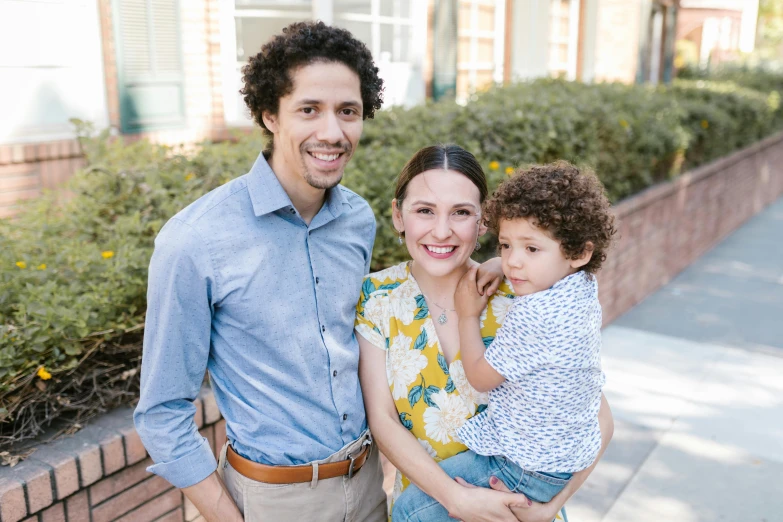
x: 267, y: 76
x: 568, y: 202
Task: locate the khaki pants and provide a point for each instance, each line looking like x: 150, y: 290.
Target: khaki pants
x: 339, y: 499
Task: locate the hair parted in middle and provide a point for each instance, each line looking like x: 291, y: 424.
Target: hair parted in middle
x: 268, y: 75
x: 568, y: 202
x: 443, y: 157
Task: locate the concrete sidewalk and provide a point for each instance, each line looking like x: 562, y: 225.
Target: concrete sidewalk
x: 695, y: 381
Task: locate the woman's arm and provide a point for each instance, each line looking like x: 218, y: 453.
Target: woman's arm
x: 405, y: 452
x: 547, y: 512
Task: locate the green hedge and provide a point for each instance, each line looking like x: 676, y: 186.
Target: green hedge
x: 73, y: 270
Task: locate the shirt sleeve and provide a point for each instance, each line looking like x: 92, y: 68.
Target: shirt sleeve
x: 371, y: 320
x: 522, y: 344
x: 176, y: 349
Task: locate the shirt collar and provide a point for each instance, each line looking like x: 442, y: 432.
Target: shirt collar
x: 268, y: 195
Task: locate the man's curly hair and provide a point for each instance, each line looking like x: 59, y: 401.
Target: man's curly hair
x: 267, y: 76
x: 568, y: 202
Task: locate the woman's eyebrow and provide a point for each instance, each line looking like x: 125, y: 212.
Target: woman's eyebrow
x: 455, y: 205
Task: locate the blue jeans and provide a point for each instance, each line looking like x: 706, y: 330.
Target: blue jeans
x: 416, y: 506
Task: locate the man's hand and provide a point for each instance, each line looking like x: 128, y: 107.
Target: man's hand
x: 213, y: 500
x: 467, y: 300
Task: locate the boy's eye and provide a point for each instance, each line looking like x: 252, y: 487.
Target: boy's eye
x: 503, y: 246
x: 532, y: 249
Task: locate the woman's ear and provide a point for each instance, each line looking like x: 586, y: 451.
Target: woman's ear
x: 482, y: 229
x: 585, y: 258
x: 270, y: 121
x: 397, y: 217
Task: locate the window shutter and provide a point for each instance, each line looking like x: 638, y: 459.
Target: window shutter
x: 149, y: 64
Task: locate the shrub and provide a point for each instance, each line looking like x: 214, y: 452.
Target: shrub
x: 73, y: 270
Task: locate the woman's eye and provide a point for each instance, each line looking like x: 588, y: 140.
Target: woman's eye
x: 424, y: 211
x: 462, y: 212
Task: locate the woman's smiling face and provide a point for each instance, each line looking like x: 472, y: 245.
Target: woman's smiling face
x: 440, y: 218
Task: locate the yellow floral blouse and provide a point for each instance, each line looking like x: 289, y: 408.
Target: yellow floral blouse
x: 433, y: 398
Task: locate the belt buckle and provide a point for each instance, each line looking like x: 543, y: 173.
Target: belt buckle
x: 350, y: 467
x: 366, y: 442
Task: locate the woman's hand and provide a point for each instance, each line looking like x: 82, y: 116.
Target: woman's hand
x: 490, y: 275
x: 468, y: 302
x: 475, y: 504
x: 535, y: 512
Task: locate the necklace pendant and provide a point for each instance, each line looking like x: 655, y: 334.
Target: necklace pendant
x: 442, y: 319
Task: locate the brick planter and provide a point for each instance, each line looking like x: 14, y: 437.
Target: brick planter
x: 99, y: 474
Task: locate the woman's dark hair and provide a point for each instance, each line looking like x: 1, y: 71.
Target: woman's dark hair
x: 445, y: 157
x: 267, y: 76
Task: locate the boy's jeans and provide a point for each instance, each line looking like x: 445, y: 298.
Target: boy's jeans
x: 416, y: 506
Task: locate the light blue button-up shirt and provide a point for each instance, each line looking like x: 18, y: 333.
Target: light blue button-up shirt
x: 241, y: 286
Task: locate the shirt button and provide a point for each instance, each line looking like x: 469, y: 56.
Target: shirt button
x: 317, y: 280
x: 323, y: 328
x: 293, y: 211
x: 334, y: 373
x: 345, y: 416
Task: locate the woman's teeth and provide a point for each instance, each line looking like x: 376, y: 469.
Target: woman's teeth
x: 440, y: 250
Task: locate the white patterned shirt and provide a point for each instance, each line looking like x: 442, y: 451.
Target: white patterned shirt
x: 544, y: 416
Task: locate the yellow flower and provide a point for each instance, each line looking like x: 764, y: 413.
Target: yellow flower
x: 494, y: 165
x: 21, y: 264
x: 43, y: 374
x: 107, y: 254
x: 704, y: 124
x: 42, y: 266
x: 509, y: 171
x: 623, y: 124
x: 189, y: 176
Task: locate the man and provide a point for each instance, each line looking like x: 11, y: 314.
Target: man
x: 257, y: 282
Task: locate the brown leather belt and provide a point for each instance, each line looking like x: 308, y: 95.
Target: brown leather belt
x: 293, y: 474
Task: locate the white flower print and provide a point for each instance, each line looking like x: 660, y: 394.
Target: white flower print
x: 483, y: 317
x: 442, y: 423
x: 375, y: 311
x: 403, y: 365
x: 469, y: 395
x: 397, y: 491
x: 432, y: 335
x: 500, y: 306
x: 403, y: 300
x: 393, y: 273
x: 430, y: 450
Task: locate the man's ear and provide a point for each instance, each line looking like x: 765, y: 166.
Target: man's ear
x: 585, y: 258
x: 270, y: 121
x: 397, y: 216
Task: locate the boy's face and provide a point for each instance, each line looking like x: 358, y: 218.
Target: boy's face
x: 532, y: 260
x: 317, y: 126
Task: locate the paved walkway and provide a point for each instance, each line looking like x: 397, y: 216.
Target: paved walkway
x: 695, y: 381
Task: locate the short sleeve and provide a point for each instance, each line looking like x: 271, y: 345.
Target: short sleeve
x: 372, y: 316
x: 522, y: 344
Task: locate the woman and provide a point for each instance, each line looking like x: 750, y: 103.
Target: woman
x: 415, y: 391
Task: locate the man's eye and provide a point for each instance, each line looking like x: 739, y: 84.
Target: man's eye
x: 308, y: 110
x: 349, y: 112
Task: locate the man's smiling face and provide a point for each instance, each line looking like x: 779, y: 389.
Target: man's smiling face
x: 318, y: 125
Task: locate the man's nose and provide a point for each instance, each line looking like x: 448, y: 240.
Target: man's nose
x: 329, y: 129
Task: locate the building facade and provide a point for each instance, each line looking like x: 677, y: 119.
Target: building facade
x: 170, y: 70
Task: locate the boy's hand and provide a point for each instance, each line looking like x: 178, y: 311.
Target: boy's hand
x: 490, y: 275
x: 468, y: 302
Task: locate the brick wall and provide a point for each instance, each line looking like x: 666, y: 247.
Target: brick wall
x: 99, y: 473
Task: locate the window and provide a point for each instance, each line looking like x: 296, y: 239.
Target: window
x: 149, y: 64
x: 563, y: 38
x: 480, y: 45
x: 393, y: 30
